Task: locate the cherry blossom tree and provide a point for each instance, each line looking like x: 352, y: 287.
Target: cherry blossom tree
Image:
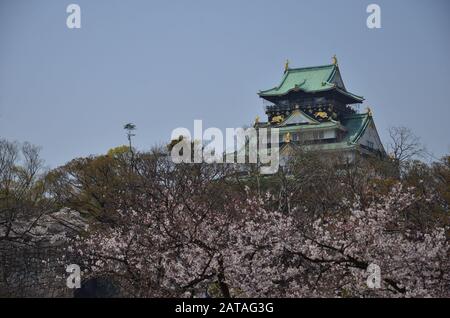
x: 282, y: 258
x: 174, y: 246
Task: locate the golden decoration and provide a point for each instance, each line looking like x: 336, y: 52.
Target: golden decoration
x: 369, y: 111
x: 287, y: 137
x: 256, y: 120
x: 322, y: 115
x: 286, y: 66
x: 277, y: 119
x: 334, y: 60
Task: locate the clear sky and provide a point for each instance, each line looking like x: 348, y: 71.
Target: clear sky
x: 162, y: 64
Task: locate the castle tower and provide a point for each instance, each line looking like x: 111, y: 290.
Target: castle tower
x: 313, y: 109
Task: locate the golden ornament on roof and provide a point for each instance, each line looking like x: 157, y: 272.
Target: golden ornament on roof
x: 277, y: 119
x: 369, y: 111
x: 334, y: 60
x: 322, y: 115
x: 286, y: 66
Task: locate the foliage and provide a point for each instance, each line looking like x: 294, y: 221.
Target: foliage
x: 161, y: 229
x: 196, y: 229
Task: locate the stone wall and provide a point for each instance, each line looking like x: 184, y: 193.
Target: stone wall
x: 32, y: 271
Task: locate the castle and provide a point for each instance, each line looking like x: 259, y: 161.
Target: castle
x: 313, y: 110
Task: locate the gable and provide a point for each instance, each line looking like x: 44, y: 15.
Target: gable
x: 370, y: 138
x: 298, y: 117
x: 337, y: 79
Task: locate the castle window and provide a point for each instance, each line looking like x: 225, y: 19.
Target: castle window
x: 318, y: 135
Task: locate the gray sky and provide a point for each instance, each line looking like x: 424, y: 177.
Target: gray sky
x: 162, y: 64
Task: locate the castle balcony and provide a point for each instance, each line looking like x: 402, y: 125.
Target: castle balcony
x: 281, y: 108
x: 277, y: 108
x: 314, y: 106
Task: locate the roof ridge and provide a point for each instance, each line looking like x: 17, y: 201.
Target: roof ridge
x: 363, y: 128
x: 311, y: 67
x: 357, y: 115
x: 351, y: 94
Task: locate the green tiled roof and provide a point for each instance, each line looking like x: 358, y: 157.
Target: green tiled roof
x: 355, y: 124
x: 318, y: 126
x: 308, y: 79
